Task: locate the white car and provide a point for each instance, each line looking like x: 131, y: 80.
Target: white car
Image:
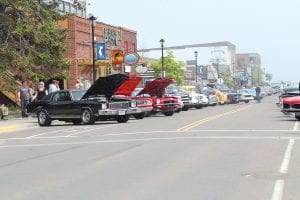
x: 245, y: 95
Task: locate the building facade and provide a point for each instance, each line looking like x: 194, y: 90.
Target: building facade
x: 80, y: 50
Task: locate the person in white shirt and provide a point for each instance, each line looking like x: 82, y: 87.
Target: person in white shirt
x: 54, y: 86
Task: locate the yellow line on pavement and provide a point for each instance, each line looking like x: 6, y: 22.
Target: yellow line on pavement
x: 202, y: 121
x: 9, y: 128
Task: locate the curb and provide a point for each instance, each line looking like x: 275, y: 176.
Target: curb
x: 9, y: 128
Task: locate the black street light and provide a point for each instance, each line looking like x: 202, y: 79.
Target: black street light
x: 162, y: 58
x: 93, y: 18
x: 196, y: 67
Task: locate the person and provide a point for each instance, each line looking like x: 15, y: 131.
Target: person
x: 78, y: 84
x: 3, y: 112
x: 24, y: 97
x: 257, y: 91
x: 54, y: 86
x: 40, y: 92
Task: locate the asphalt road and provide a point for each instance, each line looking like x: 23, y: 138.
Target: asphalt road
x: 231, y: 152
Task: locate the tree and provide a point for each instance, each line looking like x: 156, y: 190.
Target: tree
x: 228, y: 80
x: 31, y: 44
x: 173, y: 69
x: 269, y: 76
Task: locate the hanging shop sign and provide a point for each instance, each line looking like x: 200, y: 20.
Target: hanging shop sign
x: 131, y: 58
x: 117, y: 57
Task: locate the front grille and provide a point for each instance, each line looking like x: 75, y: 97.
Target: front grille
x: 118, y: 105
x: 169, y: 103
x: 285, y: 105
x: 296, y: 106
x: 185, y: 99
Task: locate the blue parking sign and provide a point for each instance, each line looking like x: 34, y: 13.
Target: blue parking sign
x: 100, y: 51
x: 201, y: 69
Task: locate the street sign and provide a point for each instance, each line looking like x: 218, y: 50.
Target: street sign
x: 201, y: 69
x: 101, y: 51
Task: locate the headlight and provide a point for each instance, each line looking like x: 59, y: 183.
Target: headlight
x: 133, y: 104
x: 103, y: 106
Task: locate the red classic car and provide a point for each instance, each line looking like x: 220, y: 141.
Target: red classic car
x: 156, y: 91
x: 291, y: 105
x: 143, y: 103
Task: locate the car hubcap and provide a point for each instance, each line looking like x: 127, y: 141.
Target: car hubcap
x: 86, y: 116
x: 42, y: 117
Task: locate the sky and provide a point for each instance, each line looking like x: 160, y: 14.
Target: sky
x: 270, y: 28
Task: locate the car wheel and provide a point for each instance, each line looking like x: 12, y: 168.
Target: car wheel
x: 185, y: 108
x: 170, y: 113
x: 43, y: 118
x: 198, y: 106
x: 297, y: 117
x: 246, y: 101
x: 123, y: 118
x: 87, y: 117
x: 139, y: 115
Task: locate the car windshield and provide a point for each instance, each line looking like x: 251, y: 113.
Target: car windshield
x: 78, y: 94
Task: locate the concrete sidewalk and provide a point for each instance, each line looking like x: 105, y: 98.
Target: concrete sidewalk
x: 13, y: 124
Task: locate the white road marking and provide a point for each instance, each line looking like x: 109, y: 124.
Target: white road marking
x: 295, y: 126
x: 279, y: 184
x: 287, y: 157
x: 193, y: 138
x: 46, y: 133
x: 278, y: 190
x: 88, y: 130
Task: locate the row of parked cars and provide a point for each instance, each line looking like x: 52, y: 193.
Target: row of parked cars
x: 289, y: 101
x: 117, y: 97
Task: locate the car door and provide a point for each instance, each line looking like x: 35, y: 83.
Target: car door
x: 60, y: 105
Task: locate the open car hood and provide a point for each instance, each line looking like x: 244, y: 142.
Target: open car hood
x: 128, y: 86
x: 105, y: 86
x: 156, y: 87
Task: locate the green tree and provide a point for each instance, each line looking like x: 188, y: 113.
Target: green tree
x: 31, y: 43
x: 173, y: 69
x: 269, y: 76
x: 228, y: 80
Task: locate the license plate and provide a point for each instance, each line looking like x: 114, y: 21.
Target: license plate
x: 122, y: 112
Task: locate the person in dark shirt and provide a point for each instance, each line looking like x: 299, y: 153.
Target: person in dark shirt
x: 258, y: 90
x: 40, y: 92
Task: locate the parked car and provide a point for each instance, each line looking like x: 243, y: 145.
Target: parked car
x: 291, y: 105
x: 85, y: 106
x: 128, y: 90
x: 245, y: 95
x: 161, y: 103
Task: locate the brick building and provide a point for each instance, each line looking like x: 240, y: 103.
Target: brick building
x: 80, y: 48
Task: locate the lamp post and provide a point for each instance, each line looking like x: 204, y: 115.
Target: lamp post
x: 196, y: 56
x: 162, y: 41
x: 92, y: 19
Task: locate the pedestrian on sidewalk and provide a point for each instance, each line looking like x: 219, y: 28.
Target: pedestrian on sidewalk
x: 3, y: 112
x: 24, y: 97
x: 40, y: 92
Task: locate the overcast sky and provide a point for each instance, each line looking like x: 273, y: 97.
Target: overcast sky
x: 270, y: 28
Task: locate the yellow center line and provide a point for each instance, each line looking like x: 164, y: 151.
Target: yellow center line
x: 207, y: 119
x: 9, y: 128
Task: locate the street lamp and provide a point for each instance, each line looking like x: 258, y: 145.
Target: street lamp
x: 93, y: 18
x: 196, y: 56
x: 162, y: 57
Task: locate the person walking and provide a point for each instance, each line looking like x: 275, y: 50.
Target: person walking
x: 257, y: 91
x: 40, y: 92
x: 24, y: 97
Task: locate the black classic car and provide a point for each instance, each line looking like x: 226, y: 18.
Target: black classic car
x: 85, y: 106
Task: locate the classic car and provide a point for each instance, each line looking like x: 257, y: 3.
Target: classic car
x: 155, y: 89
x: 85, y: 106
x: 291, y: 105
x: 127, y: 90
x: 219, y: 91
x: 245, y: 95
x: 188, y: 98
